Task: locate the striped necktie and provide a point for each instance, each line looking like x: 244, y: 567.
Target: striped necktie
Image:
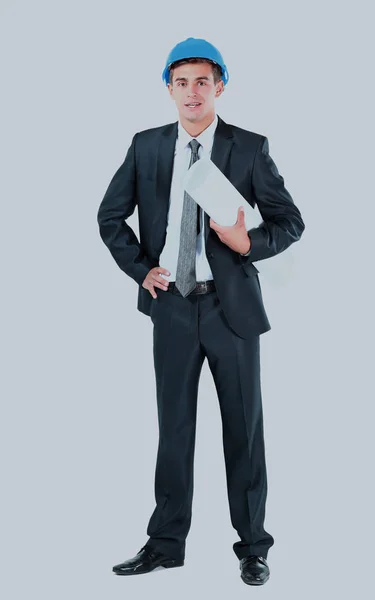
x: 185, y: 275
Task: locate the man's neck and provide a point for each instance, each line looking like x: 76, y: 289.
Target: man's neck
x: 195, y: 129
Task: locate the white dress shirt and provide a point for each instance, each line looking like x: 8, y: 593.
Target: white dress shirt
x: 169, y: 255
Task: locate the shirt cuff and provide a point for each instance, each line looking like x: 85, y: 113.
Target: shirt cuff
x: 247, y: 253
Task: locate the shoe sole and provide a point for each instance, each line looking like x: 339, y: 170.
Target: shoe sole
x: 166, y: 565
x: 255, y: 582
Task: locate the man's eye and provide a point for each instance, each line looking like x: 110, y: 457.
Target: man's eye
x: 183, y: 83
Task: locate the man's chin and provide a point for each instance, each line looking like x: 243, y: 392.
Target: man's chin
x: 192, y: 116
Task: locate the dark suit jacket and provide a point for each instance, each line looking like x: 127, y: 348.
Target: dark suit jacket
x: 144, y: 179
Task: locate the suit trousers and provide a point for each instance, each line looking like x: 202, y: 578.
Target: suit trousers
x: 185, y: 331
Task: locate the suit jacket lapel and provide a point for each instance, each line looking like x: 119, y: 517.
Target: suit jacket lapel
x: 165, y: 158
x: 223, y: 141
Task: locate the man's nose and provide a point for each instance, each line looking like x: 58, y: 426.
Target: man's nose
x: 192, y: 92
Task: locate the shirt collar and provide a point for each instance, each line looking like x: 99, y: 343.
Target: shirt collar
x: 205, y: 138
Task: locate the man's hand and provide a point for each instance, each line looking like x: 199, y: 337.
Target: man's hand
x: 154, y: 279
x: 235, y: 236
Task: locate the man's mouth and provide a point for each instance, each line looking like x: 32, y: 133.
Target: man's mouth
x: 193, y: 104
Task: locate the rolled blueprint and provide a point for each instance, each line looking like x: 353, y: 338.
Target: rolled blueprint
x: 218, y: 197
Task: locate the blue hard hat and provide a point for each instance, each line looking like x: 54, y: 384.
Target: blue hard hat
x: 195, y: 48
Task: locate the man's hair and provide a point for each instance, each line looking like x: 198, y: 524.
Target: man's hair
x: 216, y: 69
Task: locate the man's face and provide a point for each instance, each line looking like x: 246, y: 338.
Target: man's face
x: 194, y: 83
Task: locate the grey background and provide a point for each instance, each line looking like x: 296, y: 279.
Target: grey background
x: 79, y: 421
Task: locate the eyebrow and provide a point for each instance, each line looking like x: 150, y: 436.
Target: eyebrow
x: 185, y: 79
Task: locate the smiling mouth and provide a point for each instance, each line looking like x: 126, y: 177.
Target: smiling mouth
x: 193, y: 104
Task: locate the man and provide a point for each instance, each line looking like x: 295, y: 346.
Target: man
x: 198, y: 284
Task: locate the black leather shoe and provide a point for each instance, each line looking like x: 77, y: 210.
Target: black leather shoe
x: 254, y: 570
x: 145, y: 561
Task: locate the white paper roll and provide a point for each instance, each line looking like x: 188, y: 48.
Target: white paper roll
x: 218, y: 197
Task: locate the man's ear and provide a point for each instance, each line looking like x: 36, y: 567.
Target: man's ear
x: 220, y: 88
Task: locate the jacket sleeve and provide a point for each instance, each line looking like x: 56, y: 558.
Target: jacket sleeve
x: 282, y: 223
x: 117, y: 205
